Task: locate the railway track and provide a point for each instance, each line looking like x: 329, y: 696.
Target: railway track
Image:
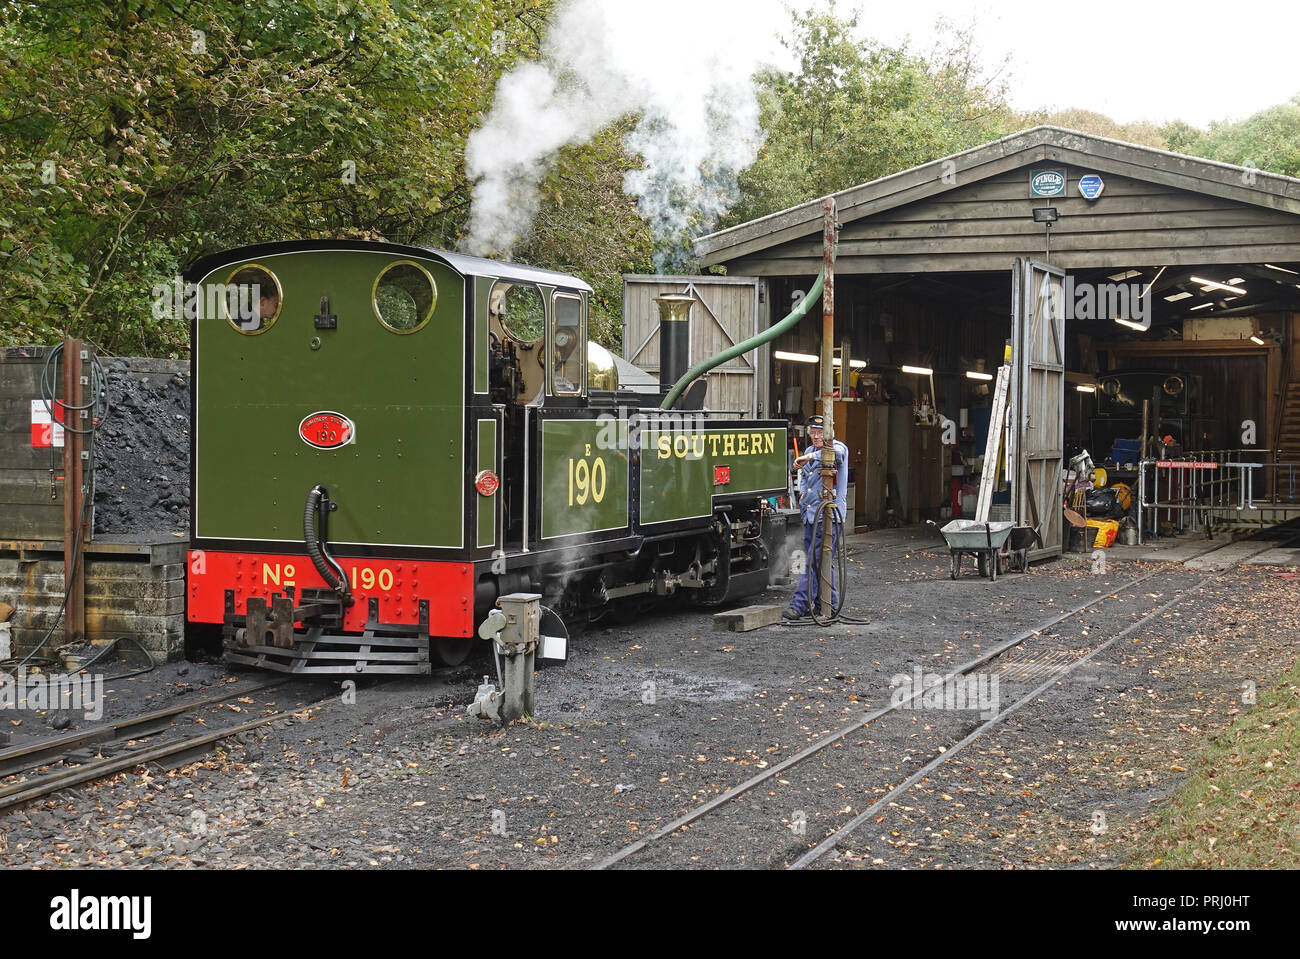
x: 951, y: 749
x: 147, y: 737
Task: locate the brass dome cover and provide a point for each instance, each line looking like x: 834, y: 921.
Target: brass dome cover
x: 602, y: 373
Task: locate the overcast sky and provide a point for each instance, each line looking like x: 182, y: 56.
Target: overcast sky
x: 1129, y: 59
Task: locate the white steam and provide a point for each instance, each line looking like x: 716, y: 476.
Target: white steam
x: 685, y: 68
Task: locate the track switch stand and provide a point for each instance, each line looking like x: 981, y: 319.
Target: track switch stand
x: 515, y: 632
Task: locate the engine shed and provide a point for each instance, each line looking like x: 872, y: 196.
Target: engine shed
x: 1114, y: 278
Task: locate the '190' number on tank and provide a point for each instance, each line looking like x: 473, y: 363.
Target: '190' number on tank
x: 368, y: 579
x: 586, y: 481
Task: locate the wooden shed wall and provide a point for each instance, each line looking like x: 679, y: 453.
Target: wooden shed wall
x: 27, y: 510
x: 984, y: 225
x: 723, y: 315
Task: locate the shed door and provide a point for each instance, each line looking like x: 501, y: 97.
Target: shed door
x: 1036, y: 438
x: 725, y: 312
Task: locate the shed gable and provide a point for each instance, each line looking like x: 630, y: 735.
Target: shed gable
x: 973, y: 211
x: 984, y: 225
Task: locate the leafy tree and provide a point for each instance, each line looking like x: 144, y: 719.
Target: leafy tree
x: 589, y: 227
x: 1143, y: 132
x: 854, y: 110
x: 1268, y: 140
x: 138, y: 135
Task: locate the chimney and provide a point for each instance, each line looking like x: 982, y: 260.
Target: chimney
x: 674, y: 338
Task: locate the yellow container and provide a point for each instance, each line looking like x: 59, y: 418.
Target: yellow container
x: 1107, y: 530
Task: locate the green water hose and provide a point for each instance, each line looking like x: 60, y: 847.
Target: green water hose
x: 699, y: 369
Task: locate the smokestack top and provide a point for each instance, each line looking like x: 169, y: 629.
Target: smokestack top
x: 675, y: 306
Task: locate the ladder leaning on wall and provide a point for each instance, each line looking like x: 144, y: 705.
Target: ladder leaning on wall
x: 993, y: 446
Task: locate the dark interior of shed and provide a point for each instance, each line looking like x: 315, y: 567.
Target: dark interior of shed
x: 1224, y: 334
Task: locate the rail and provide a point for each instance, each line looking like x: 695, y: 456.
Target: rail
x: 1218, y: 489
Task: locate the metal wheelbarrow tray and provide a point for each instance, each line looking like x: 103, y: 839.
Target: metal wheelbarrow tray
x: 984, y: 541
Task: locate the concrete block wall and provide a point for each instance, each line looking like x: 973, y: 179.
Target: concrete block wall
x: 132, y: 589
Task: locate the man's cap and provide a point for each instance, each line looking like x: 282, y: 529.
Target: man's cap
x: 814, y: 422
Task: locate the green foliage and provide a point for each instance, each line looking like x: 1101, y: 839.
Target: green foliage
x: 139, y: 135
x: 1268, y: 140
x: 589, y: 227
x: 855, y: 110
x: 1098, y: 124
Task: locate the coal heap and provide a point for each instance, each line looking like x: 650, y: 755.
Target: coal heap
x: 142, y: 453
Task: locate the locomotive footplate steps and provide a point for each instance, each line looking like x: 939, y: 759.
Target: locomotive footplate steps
x: 270, y: 639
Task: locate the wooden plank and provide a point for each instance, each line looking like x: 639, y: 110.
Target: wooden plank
x: 1085, y: 222
x: 48, y: 579
x: 158, y: 551
x: 997, y: 262
x: 17, y: 452
x: 747, y: 618
x: 674, y: 280
x: 1203, y: 176
x: 1061, y: 241
x: 908, y: 186
x: 993, y: 444
x: 1182, y: 347
x: 952, y: 208
x: 29, y: 488
x: 28, y: 521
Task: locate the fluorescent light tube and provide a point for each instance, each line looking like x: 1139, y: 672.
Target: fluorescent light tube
x: 1212, y: 284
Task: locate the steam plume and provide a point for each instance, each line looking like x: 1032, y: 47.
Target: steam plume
x: 685, y: 68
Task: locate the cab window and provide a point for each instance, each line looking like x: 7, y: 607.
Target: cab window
x: 568, y: 353
x: 252, y: 302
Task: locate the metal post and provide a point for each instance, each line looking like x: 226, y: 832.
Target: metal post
x: 74, y: 494
x: 1142, y: 493
x: 828, y: 402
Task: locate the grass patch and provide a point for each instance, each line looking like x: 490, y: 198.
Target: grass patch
x: 1241, y: 807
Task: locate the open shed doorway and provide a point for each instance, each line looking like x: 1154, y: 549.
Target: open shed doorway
x: 952, y: 328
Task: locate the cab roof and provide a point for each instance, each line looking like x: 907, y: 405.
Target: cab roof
x: 461, y: 263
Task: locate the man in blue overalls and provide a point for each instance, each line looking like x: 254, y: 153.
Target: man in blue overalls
x: 810, y: 508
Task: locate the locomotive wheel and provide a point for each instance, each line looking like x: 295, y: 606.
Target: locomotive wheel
x: 450, y: 652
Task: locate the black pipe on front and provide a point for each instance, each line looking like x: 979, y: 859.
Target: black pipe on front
x: 319, y: 504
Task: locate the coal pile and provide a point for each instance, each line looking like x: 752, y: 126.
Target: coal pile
x: 142, y: 451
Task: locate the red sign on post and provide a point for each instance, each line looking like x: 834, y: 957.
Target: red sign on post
x: 47, y: 430
x: 1186, y: 465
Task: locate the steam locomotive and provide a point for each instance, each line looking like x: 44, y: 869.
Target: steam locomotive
x: 388, y: 438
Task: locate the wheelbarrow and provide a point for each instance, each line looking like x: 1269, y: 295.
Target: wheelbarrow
x: 1018, y: 544
x: 984, y: 541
